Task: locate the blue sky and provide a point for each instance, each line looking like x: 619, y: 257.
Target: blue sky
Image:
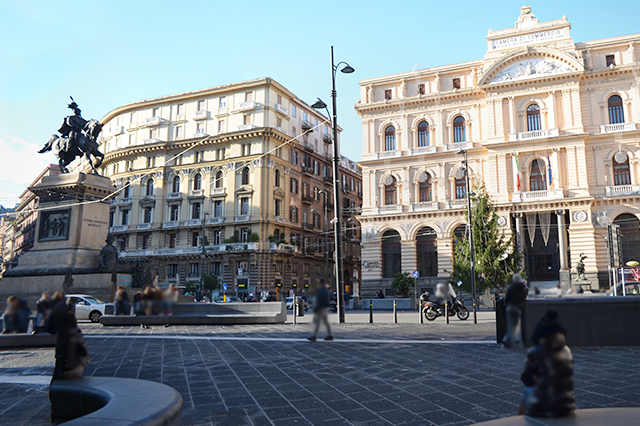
x: 108, y: 53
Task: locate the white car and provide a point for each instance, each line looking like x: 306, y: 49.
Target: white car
x: 87, y: 307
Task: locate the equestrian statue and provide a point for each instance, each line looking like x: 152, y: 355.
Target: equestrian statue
x: 79, y: 138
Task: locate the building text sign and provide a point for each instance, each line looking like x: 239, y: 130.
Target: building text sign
x: 523, y: 40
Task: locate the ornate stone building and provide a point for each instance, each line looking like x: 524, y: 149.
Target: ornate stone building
x: 248, y: 165
x: 549, y: 126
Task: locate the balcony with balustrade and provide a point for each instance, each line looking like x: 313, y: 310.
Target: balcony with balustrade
x: 459, y: 203
x: 189, y: 223
x: 545, y: 195
x: 117, y: 130
x: 457, y: 146
x: 125, y: 201
x: 242, y: 218
x: 326, y: 138
x: 420, y: 150
x: 152, y: 121
x: 423, y: 206
x: 282, y: 110
x: 170, y: 224
x: 534, y: 134
x: 196, y: 193
x: 620, y: 127
x: 200, y: 115
x: 290, y: 248
x: 218, y: 191
x: 246, y: 106
x: 174, y: 196
x: 389, y: 209
x: 617, y: 190
x: 118, y: 229
x: 388, y: 154
x: 247, y: 127
x: 143, y: 226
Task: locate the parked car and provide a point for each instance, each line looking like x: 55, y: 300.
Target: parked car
x: 87, y: 307
x: 230, y: 299
x: 632, y: 288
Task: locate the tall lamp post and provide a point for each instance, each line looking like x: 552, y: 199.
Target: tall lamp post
x: 472, y: 248
x: 204, y: 242
x: 347, y: 69
x: 326, y: 237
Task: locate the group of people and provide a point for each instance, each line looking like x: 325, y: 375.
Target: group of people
x: 150, y: 301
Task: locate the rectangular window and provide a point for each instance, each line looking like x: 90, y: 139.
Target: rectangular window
x: 217, y: 238
x: 195, y: 211
x: 279, y: 100
x: 172, y: 240
x: 180, y: 109
x: 130, y: 139
x: 222, y: 126
x: 421, y: 89
x: 156, y: 112
x: 294, y: 111
x: 217, y: 208
x: 279, y: 122
x: 195, y: 237
x: 173, y: 270
x: 112, y: 217
x: 295, y: 159
x: 173, y: 213
x: 200, y: 105
x: 246, y: 119
x: 244, y: 234
x: 179, y: 133
x: 200, y: 127
x: 223, y: 101
x: 293, y: 214
x: 194, y: 269
x: 456, y: 83
x: 148, y: 215
x: 611, y: 59
x: 278, y: 206
x: 146, y: 239
x: 216, y: 268
x: 248, y: 96
x: 305, y: 116
x: 125, y: 217
x: 153, y: 134
x: 387, y: 94
x: 244, y: 205
x: 132, y: 117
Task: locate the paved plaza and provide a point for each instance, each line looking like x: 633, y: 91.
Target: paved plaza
x: 371, y: 375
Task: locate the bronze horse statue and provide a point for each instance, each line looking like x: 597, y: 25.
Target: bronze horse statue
x: 66, y: 149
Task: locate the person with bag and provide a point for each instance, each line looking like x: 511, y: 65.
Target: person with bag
x: 321, y: 311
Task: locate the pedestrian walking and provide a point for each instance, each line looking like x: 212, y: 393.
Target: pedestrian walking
x: 347, y: 299
x: 321, y: 311
x: 514, y: 300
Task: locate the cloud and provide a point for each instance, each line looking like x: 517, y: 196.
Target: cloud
x: 20, y: 164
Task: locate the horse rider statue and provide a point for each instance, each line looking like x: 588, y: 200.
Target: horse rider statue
x: 78, y: 138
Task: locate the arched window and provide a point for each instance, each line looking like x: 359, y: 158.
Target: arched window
x: 459, y: 129
x: 197, y: 182
x: 425, y: 189
x: 391, y: 254
x: 630, y: 233
x: 616, y: 113
x: 533, y: 118
x: 176, y: 184
x: 459, y: 234
x: 150, y: 187
x: 423, y: 134
x: 391, y: 191
x: 537, y: 181
x: 219, y: 179
x: 277, y: 178
x: 621, y: 172
x: 427, y: 252
x: 390, y: 138
x: 245, y: 176
x: 461, y: 187
x: 126, y: 192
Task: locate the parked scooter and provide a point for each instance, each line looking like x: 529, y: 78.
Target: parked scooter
x: 433, y: 310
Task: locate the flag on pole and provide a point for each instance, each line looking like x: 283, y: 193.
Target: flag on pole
x: 549, y: 171
x: 517, y: 175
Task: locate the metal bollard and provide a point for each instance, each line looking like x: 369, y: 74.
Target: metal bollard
x: 370, y: 311
x: 295, y: 309
x: 395, y: 312
x: 446, y: 311
x: 420, y: 313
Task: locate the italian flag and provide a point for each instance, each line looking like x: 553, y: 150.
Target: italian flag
x: 518, y: 175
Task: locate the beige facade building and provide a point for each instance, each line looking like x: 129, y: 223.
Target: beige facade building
x: 550, y: 127
x: 245, y: 164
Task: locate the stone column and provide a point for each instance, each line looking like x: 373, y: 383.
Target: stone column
x: 555, y: 169
x: 552, y: 109
x: 408, y: 256
x: 512, y: 115
x: 562, y: 240
x: 515, y: 174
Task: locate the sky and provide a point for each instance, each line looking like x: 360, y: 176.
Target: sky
x: 106, y: 53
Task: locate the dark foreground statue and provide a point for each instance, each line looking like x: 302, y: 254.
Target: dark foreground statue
x: 79, y: 137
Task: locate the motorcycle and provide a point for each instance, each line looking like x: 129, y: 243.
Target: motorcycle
x: 433, y: 310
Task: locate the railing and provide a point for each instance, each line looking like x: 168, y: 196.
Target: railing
x: 458, y: 146
x: 284, y: 247
x: 246, y: 127
x: 534, y: 134
x: 308, y: 146
x: 391, y: 208
x: 242, y: 218
x: 152, y: 121
x: 174, y: 195
x: 245, y: 106
x: 389, y: 154
x: 281, y: 109
x: 241, y: 246
x: 119, y: 228
x: 326, y: 138
x: 218, y: 191
x: 306, y: 125
x: 423, y: 206
x: 124, y: 201
x: 423, y: 150
x: 150, y: 140
x: 622, y: 190
x: 215, y: 220
x: 193, y: 222
x: 279, y: 219
x: 142, y: 226
x: 170, y: 224
x: 327, y: 178
x: 549, y: 194
x: 307, y: 199
x: 113, y: 202
x: 200, y: 115
x: 197, y: 193
x: 620, y: 127
x: 456, y: 204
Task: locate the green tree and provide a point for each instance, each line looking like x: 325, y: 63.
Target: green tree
x: 497, y: 257
x: 402, y: 283
x: 211, y: 282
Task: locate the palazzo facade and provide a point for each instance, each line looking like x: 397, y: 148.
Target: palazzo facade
x: 549, y: 125
x: 246, y: 165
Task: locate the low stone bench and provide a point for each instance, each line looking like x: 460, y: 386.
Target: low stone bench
x: 111, y: 401
x: 208, y: 314
x: 591, y: 417
x: 25, y: 340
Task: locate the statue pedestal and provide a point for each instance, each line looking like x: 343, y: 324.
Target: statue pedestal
x: 71, y: 229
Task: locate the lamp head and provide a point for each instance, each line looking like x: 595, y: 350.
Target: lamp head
x: 319, y: 104
x: 461, y: 152
x: 322, y: 191
x: 347, y: 69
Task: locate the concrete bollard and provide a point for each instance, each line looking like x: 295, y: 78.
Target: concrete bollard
x: 294, y: 309
x: 446, y: 311
x: 420, y: 313
x: 370, y: 311
x: 395, y: 313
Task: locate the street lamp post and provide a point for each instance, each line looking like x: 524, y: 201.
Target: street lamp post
x: 347, y: 69
x: 204, y: 220
x: 472, y: 247
x: 326, y: 238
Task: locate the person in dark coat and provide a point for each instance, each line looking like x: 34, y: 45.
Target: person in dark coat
x: 548, y: 375
x: 514, y: 300
x: 15, y: 318
x: 43, y: 307
x: 321, y: 311
x: 550, y: 317
x: 59, y: 324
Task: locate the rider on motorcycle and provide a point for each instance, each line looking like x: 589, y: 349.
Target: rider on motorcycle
x: 71, y: 128
x: 444, y: 294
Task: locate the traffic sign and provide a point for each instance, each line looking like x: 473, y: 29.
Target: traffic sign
x: 224, y: 286
x: 415, y: 274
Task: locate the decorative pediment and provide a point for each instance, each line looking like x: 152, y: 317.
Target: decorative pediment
x: 531, y: 64
x: 278, y: 192
x: 245, y: 189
